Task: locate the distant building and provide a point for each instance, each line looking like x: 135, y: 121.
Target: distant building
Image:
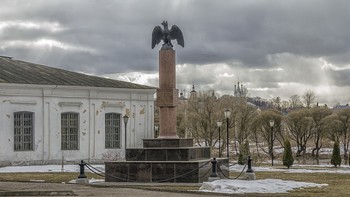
x: 339, y: 106
x: 240, y: 90
x: 48, y: 114
x: 260, y: 102
x: 182, y: 98
x: 193, y: 93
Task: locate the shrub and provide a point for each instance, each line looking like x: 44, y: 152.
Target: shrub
x: 287, y: 159
x: 244, y: 152
x: 336, y: 158
x: 240, y: 159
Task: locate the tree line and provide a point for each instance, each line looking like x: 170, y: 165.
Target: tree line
x: 297, y: 120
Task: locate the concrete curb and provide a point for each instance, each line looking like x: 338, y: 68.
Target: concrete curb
x: 37, y: 193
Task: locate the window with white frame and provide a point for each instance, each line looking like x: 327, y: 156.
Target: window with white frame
x: 112, y: 130
x: 23, y: 131
x: 69, y: 131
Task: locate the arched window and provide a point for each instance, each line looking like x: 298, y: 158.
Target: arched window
x: 23, y: 131
x: 112, y: 130
x: 69, y: 131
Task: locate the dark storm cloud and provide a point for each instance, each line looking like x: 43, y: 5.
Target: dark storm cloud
x: 250, y: 37
x: 340, y: 77
x: 109, y: 28
x: 215, y: 31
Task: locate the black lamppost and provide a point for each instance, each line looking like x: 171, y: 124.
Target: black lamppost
x: 125, y: 119
x: 227, y: 113
x: 272, y: 123
x: 219, y: 123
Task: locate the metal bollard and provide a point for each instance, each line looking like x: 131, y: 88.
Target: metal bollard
x: 213, y: 168
x: 250, y: 175
x: 82, y: 170
x: 249, y: 170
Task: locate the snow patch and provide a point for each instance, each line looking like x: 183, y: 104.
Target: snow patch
x: 257, y: 186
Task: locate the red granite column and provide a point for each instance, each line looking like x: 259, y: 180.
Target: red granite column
x: 167, y: 94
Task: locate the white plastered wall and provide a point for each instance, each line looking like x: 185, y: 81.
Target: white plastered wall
x: 48, y: 102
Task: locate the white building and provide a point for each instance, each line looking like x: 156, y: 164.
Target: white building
x: 50, y: 115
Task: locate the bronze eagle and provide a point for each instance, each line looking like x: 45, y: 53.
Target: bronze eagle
x: 167, y: 35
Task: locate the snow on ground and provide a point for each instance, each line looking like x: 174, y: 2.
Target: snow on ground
x: 45, y: 168
x: 91, y: 181
x: 257, y: 186
x: 299, y: 169
x: 328, y: 151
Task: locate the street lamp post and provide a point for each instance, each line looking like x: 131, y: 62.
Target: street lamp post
x: 227, y: 113
x: 272, y: 123
x: 125, y: 119
x: 219, y: 123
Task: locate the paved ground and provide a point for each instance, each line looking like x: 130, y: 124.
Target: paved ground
x: 56, y: 189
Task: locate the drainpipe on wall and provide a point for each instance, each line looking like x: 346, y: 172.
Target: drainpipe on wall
x: 43, y: 122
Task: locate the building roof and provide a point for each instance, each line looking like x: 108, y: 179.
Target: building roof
x: 21, y: 72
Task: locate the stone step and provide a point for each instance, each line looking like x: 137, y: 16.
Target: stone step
x: 168, y: 142
x: 167, y: 154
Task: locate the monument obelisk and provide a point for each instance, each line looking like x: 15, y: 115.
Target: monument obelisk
x: 166, y: 158
x: 167, y: 94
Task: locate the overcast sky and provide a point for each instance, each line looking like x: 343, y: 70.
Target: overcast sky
x: 274, y: 47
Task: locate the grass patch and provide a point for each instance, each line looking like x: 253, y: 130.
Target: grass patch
x: 53, y: 177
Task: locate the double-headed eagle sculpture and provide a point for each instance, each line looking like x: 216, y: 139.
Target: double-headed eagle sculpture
x: 167, y: 35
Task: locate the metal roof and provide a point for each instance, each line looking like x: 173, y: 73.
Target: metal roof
x: 21, y: 72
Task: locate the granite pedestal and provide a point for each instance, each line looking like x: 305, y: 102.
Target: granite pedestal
x: 165, y: 160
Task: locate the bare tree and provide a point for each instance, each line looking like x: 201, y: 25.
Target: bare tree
x: 277, y: 102
x: 204, y: 110
x: 317, y: 114
x: 202, y: 114
x: 181, y: 120
x: 309, y: 97
x: 300, y: 124
x: 294, y: 101
x: 285, y: 104
x: 333, y: 127
x: 255, y: 128
x: 344, y: 117
x: 265, y: 131
x: 245, y: 113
